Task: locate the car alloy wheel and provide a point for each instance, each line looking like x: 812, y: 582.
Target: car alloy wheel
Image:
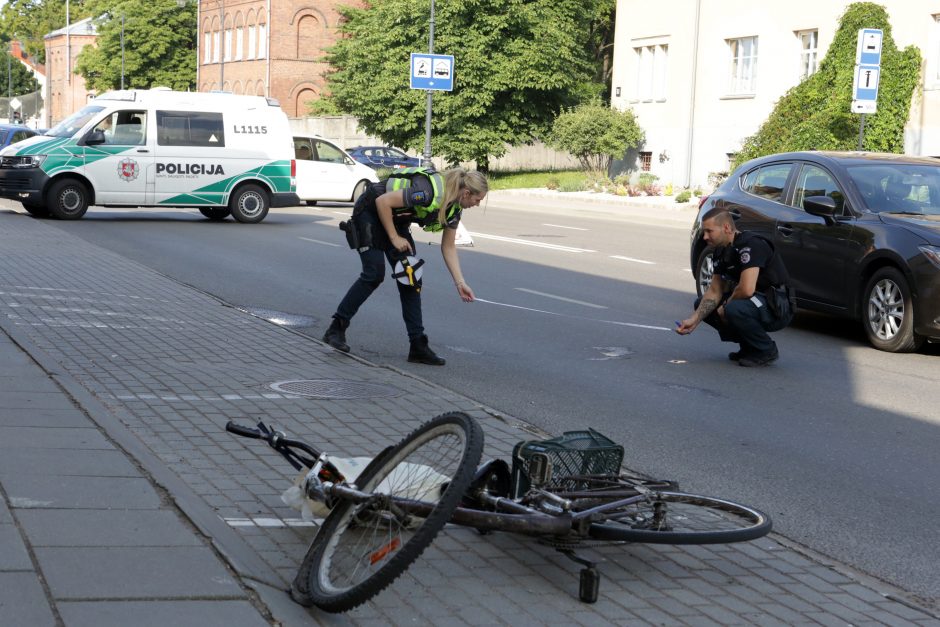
x: 889, y: 312
x: 886, y: 309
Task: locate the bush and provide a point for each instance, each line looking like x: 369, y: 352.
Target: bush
x: 595, y: 133
x: 668, y: 190
x: 683, y: 196
x: 552, y: 183
x: 571, y: 187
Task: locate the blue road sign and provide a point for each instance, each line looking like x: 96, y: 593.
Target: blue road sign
x: 867, y: 71
x: 432, y: 71
x: 869, y: 46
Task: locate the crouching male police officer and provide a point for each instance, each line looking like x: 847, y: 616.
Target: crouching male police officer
x: 749, y: 294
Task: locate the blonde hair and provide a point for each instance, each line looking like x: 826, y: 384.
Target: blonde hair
x: 455, y: 181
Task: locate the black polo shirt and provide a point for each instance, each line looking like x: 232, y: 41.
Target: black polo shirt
x: 751, y: 251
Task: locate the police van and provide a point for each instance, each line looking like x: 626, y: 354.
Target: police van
x: 220, y: 153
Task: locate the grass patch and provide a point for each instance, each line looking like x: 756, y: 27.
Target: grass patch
x: 560, y: 179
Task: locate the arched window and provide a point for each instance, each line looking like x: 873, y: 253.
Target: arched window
x: 262, y: 35
x: 239, y: 36
x: 206, y: 41
x: 216, y: 40
x: 228, y: 39
x: 252, y: 35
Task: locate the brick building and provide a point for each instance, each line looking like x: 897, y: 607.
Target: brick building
x: 266, y: 47
x: 65, y: 91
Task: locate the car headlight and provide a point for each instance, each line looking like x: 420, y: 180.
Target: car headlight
x: 932, y: 253
x: 22, y: 161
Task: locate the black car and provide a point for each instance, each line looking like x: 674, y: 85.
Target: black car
x: 858, y: 232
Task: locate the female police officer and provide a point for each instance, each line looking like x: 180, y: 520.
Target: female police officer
x: 382, y: 218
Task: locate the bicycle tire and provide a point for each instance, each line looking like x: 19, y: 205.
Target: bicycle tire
x: 361, y: 549
x: 683, y: 519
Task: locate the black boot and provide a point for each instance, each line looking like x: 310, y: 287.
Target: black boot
x: 335, y: 336
x: 421, y: 353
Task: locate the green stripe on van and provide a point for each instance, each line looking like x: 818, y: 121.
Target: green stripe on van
x: 276, y: 174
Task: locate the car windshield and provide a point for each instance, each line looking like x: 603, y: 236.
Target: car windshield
x: 70, y: 125
x: 899, y: 187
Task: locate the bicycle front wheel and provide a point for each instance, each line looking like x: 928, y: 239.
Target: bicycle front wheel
x: 677, y: 518
x: 362, y: 547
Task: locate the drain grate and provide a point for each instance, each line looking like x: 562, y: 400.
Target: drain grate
x: 336, y: 389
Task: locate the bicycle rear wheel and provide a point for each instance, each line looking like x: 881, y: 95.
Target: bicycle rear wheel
x: 362, y: 547
x: 677, y: 518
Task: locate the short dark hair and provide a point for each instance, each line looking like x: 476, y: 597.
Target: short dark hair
x: 720, y: 215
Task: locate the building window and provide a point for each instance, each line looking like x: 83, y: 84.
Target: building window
x: 646, y: 161
x: 262, y: 40
x: 216, y: 46
x: 239, y: 42
x: 743, y: 65
x: 809, y: 47
x: 250, y: 53
x: 228, y: 44
x: 207, y: 48
x: 651, y: 72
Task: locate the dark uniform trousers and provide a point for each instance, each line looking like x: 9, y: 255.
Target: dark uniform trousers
x: 373, y: 273
x: 746, y: 323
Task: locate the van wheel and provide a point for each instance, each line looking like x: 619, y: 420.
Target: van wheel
x: 215, y: 213
x: 888, y: 313
x: 67, y: 199
x: 359, y: 190
x: 249, y: 204
x: 40, y: 210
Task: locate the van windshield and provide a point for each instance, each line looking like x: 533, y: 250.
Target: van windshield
x: 70, y: 125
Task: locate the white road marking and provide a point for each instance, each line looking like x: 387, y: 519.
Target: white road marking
x: 525, y: 242
x: 316, y: 241
x: 634, y: 260
x: 567, y: 300
x: 271, y: 522
x: 341, y: 213
x: 559, y: 226
x: 554, y: 313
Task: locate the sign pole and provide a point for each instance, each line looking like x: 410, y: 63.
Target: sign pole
x: 861, y: 132
x: 427, y: 115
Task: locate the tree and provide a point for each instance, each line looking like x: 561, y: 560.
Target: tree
x: 815, y: 115
x: 29, y: 21
x: 21, y: 80
x: 595, y: 134
x: 159, y: 45
x: 517, y: 63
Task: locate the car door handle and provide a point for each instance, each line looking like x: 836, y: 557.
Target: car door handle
x: 786, y: 229
x: 142, y: 150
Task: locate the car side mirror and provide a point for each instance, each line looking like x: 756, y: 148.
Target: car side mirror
x: 349, y: 161
x: 94, y: 138
x: 822, y: 206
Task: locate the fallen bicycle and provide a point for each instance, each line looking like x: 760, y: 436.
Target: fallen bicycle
x: 565, y: 492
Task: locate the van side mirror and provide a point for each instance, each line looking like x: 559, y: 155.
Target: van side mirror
x: 822, y: 206
x: 95, y: 138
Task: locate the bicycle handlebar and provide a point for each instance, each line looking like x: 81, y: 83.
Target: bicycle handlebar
x: 245, y: 432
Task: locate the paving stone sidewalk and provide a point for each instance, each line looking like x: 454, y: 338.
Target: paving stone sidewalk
x: 117, y: 383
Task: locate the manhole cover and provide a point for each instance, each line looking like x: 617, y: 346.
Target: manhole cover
x: 336, y: 389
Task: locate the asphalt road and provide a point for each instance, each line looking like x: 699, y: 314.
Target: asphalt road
x: 573, y: 328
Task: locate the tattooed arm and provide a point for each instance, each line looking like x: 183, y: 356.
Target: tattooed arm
x: 711, y: 300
